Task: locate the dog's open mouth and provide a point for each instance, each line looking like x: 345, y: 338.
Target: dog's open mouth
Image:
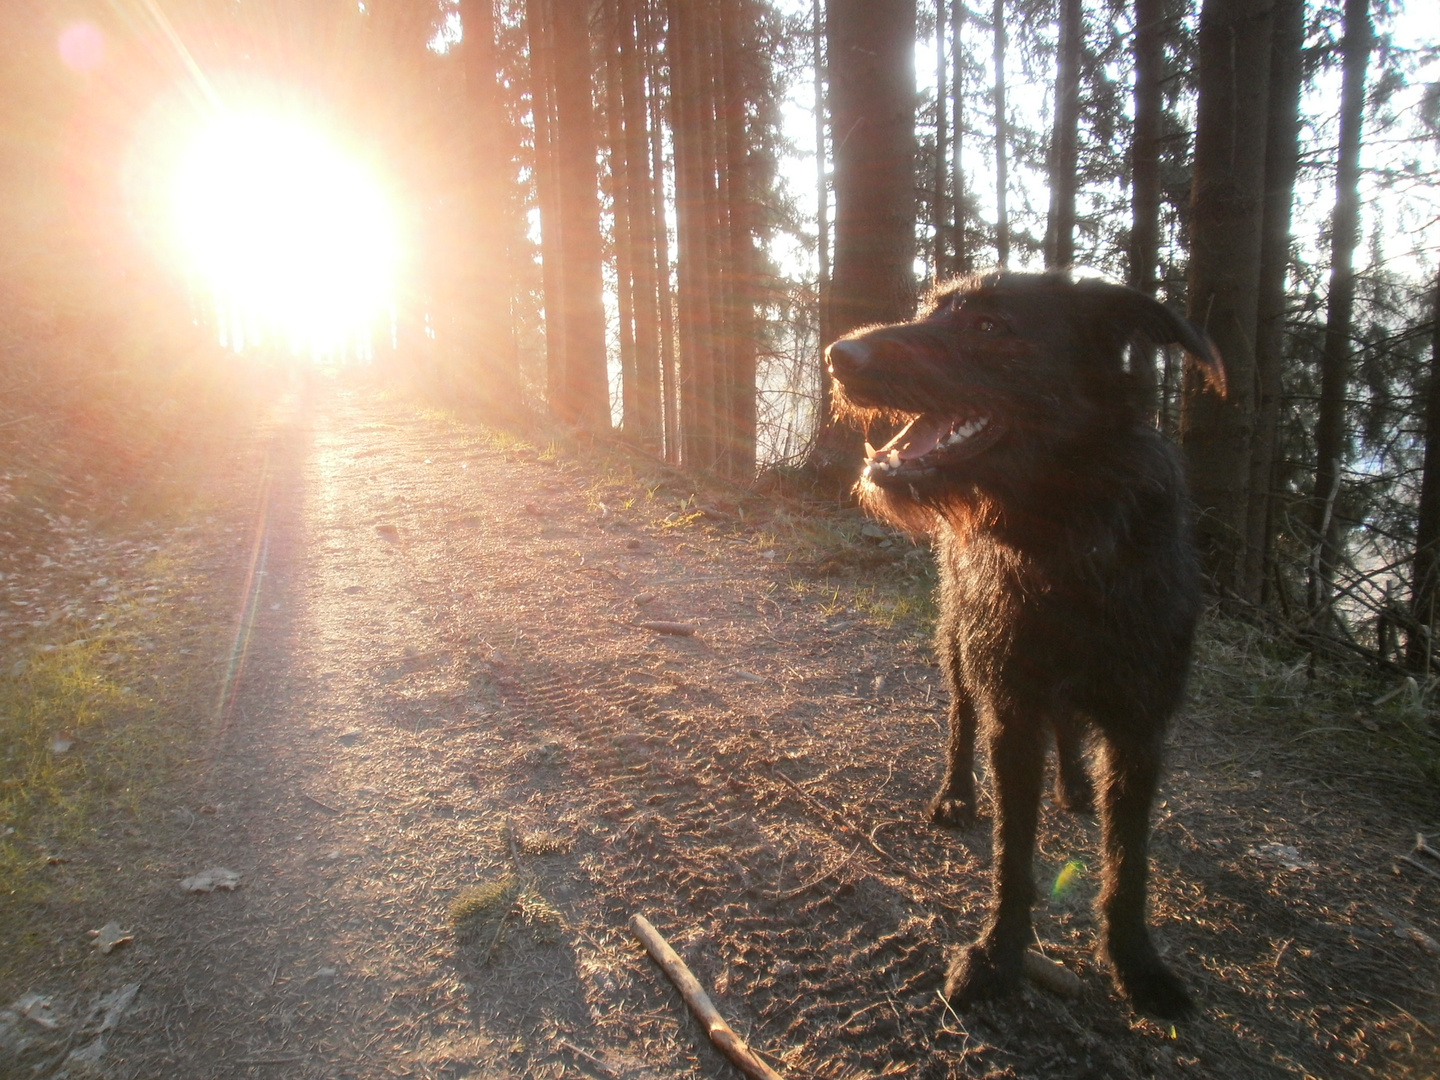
x: 929, y: 442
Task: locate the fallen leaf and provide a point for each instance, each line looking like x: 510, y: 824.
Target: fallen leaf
x: 38, y: 1009
x: 110, y: 935
x: 210, y: 880
x: 1282, y: 855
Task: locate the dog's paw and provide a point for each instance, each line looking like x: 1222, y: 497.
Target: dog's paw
x: 1155, y: 990
x: 982, y: 972
x: 952, y: 813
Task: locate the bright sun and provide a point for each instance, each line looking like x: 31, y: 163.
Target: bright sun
x: 294, y: 241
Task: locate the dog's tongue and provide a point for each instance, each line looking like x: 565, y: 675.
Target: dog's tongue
x: 918, y: 438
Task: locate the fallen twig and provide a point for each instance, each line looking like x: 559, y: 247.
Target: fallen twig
x: 721, y: 1033
x: 316, y: 802
x: 840, y: 820
x: 790, y: 894
x: 677, y: 629
x: 1421, y: 866
x: 597, y: 1062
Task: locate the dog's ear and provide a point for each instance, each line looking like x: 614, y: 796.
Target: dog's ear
x: 1144, y: 316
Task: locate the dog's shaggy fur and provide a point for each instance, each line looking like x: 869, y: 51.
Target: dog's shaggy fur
x: 1069, y: 588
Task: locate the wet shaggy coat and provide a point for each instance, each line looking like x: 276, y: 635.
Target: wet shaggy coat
x: 1070, y: 587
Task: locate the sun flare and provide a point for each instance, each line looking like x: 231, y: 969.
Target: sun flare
x: 294, y: 242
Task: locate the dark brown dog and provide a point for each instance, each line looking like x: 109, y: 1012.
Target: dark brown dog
x: 1069, y: 586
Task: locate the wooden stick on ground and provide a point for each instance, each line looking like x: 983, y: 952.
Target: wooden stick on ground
x: 721, y: 1034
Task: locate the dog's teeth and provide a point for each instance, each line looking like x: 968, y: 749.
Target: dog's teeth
x: 869, y: 450
x: 894, y: 458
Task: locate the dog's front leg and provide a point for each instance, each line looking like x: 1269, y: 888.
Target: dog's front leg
x: 954, y: 804
x: 994, y: 964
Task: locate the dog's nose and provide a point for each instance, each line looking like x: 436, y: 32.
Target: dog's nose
x: 847, y: 357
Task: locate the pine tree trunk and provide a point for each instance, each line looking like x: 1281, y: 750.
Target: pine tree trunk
x: 941, y: 265
x: 717, y: 213
x: 961, y: 261
x: 1145, y: 146
x: 587, y: 396
x: 1002, y: 140
x: 1325, y: 523
x: 547, y: 186
x: 639, y: 210
x: 1425, y: 576
x: 870, y: 49
x: 697, y: 361
x: 1064, y: 139
x: 1282, y: 158
x: 736, y: 49
x: 822, y: 192
x: 617, y: 150
x: 660, y: 92
x: 486, y: 310
x: 1226, y: 201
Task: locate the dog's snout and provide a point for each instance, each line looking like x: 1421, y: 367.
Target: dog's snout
x: 847, y: 357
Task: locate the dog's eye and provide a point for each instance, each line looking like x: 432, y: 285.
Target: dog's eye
x: 985, y: 324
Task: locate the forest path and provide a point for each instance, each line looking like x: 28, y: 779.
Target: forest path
x: 439, y: 684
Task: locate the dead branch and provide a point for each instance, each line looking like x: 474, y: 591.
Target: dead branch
x: 721, y: 1034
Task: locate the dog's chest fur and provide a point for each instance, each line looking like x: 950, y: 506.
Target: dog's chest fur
x: 1078, y: 600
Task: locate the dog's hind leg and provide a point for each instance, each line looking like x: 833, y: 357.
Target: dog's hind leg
x: 1073, y: 789
x: 954, y: 804
x: 995, y: 963
x: 1132, y: 773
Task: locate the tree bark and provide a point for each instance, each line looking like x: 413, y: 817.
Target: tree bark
x: 961, y: 210
x: 662, y: 91
x: 547, y: 189
x: 871, y: 47
x: 586, y: 399
x: 822, y: 193
x: 736, y: 54
x: 1064, y: 139
x: 1226, y: 206
x: 486, y: 312
x: 1282, y: 159
x: 1002, y: 140
x: 1425, y: 575
x: 1330, y: 432
x: 621, y: 183
x: 717, y: 213
x: 941, y: 264
x: 689, y: 98
x: 1144, y: 252
x: 639, y: 208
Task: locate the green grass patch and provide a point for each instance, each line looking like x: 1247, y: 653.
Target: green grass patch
x: 61, y: 747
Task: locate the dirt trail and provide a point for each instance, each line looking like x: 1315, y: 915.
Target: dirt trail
x: 441, y: 685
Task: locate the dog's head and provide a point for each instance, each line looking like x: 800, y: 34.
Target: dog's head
x: 997, y: 375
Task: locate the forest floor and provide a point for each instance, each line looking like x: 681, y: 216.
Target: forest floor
x: 389, y: 672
